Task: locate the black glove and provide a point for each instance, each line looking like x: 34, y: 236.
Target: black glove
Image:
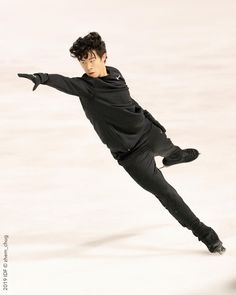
x: 153, y: 120
x: 36, y: 78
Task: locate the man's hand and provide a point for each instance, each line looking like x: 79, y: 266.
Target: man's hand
x: 35, y: 78
x: 154, y: 121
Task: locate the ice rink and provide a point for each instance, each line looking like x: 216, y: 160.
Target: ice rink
x: 72, y: 221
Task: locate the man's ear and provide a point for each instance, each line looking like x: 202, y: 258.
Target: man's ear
x: 104, y: 57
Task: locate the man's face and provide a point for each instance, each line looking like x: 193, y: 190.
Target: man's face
x: 93, y: 65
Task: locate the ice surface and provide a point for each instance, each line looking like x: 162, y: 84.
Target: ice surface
x: 77, y: 223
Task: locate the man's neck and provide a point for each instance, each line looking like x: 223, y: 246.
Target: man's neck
x: 104, y: 73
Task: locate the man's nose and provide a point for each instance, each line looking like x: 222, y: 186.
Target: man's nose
x: 89, y: 65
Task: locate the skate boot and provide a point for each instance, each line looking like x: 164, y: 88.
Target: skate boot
x: 180, y: 156
x: 208, y: 236
x: 213, y: 243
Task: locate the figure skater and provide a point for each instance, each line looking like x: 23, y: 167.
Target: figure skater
x: 132, y: 134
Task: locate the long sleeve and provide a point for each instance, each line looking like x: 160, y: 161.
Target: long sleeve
x: 74, y: 86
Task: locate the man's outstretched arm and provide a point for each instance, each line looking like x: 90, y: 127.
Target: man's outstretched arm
x: 149, y: 116
x: 73, y: 86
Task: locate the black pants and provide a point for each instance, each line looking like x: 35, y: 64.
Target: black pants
x: 141, y: 166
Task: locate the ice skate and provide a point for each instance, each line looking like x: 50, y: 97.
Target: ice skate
x: 213, y: 243
x: 180, y: 156
x: 220, y: 249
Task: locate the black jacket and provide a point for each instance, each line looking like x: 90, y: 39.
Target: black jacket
x: 116, y: 117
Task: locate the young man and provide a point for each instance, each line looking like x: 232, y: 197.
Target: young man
x: 132, y: 134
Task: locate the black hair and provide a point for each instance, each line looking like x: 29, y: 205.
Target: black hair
x: 82, y: 46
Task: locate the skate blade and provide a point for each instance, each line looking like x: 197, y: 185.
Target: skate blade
x: 163, y: 167
x: 221, y: 251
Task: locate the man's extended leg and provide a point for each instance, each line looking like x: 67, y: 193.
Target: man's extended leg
x: 142, y: 168
x: 161, y: 145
